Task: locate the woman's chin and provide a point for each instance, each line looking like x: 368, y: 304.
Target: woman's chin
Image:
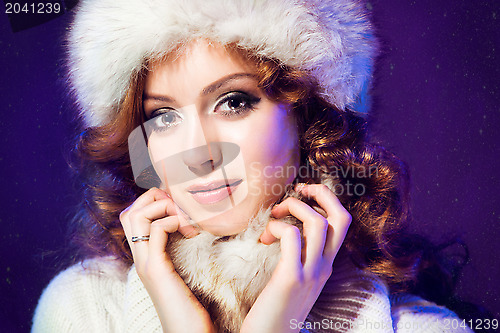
x: 223, y: 227
x: 230, y: 222
x: 223, y: 221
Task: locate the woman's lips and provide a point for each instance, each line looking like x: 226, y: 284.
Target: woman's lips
x: 210, y: 193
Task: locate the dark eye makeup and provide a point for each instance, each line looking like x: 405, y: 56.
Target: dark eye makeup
x: 164, y: 118
x: 236, y: 103
x: 233, y: 104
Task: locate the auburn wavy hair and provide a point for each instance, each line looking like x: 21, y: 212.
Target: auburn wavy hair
x: 331, y: 141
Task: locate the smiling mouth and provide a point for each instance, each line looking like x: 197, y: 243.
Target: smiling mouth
x: 211, y: 193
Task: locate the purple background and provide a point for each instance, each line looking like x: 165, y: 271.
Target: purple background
x: 436, y: 105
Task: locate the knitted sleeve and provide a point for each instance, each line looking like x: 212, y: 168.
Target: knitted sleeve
x: 86, y: 297
x: 140, y: 313
x: 414, y: 314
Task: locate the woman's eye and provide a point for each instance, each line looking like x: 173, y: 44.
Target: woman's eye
x: 166, y: 120
x: 236, y: 103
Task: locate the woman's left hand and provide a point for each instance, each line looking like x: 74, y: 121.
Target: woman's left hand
x: 303, y: 268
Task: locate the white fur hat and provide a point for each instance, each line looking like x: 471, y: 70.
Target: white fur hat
x: 110, y: 40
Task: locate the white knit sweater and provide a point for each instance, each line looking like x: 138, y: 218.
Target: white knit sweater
x: 102, y: 295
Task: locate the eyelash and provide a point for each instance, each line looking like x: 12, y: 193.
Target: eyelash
x: 249, y: 102
x: 154, y: 119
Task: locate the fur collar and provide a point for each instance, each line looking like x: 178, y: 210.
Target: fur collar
x: 227, y: 274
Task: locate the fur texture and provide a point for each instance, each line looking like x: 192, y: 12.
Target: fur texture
x: 109, y: 41
x: 228, y: 273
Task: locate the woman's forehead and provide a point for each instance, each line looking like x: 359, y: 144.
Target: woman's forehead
x: 199, y: 64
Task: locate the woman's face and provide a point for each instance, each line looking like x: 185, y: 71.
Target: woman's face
x: 221, y: 148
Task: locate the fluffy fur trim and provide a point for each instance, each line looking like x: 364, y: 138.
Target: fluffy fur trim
x: 110, y: 40
x: 227, y: 274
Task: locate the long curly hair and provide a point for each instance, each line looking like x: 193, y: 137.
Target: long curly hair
x: 332, y: 141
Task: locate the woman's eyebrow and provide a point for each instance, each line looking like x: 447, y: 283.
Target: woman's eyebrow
x: 225, y: 80
x: 162, y: 98
x: 207, y: 90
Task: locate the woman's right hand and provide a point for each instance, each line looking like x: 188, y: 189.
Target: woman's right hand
x: 155, y: 214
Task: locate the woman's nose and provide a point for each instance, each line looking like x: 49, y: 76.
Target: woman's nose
x: 203, y: 159
x: 202, y: 153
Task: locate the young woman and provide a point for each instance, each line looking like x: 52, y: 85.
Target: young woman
x: 226, y: 168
